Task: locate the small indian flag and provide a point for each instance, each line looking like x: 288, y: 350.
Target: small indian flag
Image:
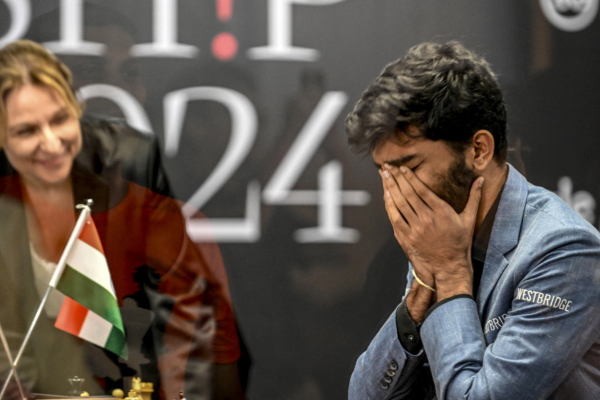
x: 91, y: 310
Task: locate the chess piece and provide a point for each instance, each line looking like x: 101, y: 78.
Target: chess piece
x: 133, y: 395
x: 76, y: 385
x: 144, y: 389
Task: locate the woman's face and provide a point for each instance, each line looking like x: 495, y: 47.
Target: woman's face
x: 42, y: 137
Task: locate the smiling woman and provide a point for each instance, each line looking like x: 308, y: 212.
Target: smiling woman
x: 176, y: 314
x: 43, y: 137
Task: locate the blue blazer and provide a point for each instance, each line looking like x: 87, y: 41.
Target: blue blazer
x: 534, y: 332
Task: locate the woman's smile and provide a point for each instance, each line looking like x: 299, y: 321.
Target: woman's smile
x: 42, y: 136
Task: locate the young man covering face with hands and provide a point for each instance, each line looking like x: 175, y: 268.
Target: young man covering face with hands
x: 504, y: 281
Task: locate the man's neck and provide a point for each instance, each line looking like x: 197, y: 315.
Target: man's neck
x: 495, y: 177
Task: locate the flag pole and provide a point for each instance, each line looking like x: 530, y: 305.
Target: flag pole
x: 10, y: 360
x: 85, y: 212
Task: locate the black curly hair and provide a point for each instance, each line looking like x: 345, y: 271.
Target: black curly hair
x: 446, y: 91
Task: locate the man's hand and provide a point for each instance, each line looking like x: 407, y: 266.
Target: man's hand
x: 434, y: 237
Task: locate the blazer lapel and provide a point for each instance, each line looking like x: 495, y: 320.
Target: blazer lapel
x: 15, y: 258
x: 13, y: 236
x: 505, y: 234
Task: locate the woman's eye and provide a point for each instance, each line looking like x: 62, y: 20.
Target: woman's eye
x: 26, y: 131
x: 415, y: 168
x: 59, y: 119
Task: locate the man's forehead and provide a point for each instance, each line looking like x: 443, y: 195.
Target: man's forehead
x: 407, y: 138
x: 394, y: 154
x: 397, y: 142
x: 404, y: 137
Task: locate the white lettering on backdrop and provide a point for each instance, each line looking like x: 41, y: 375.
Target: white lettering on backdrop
x: 329, y: 198
x: 131, y: 108
x: 20, y: 11
x: 164, y: 33
x: 164, y: 23
x: 581, y: 201
x: 71, y: 32
x: 280, y: 33
x: 244, y: 122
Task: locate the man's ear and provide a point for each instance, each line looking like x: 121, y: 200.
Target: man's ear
x: 481, y: 151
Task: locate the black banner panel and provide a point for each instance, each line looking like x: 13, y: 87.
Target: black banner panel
x: 247, y: 99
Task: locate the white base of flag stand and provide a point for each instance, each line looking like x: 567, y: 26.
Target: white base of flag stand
x: 13, y: 369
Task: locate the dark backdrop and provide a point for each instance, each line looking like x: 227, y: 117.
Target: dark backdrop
x: 308, y: 300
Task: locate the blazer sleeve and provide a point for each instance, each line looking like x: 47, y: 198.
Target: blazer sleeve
x: 385, y: 370
x: 553, y: 321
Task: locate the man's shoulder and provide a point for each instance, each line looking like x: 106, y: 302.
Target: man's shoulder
x: 551, y: 209
x: 546, y: 216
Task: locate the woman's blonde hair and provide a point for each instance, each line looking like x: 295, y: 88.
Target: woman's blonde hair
x: 25, y: 62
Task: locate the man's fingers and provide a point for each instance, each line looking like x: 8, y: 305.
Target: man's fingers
x: 409, y: 192
x: 426, y: 194
x: 399, y: 224
x: 469, y: 214
x: 398, y: 197
x: 390, y: 206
